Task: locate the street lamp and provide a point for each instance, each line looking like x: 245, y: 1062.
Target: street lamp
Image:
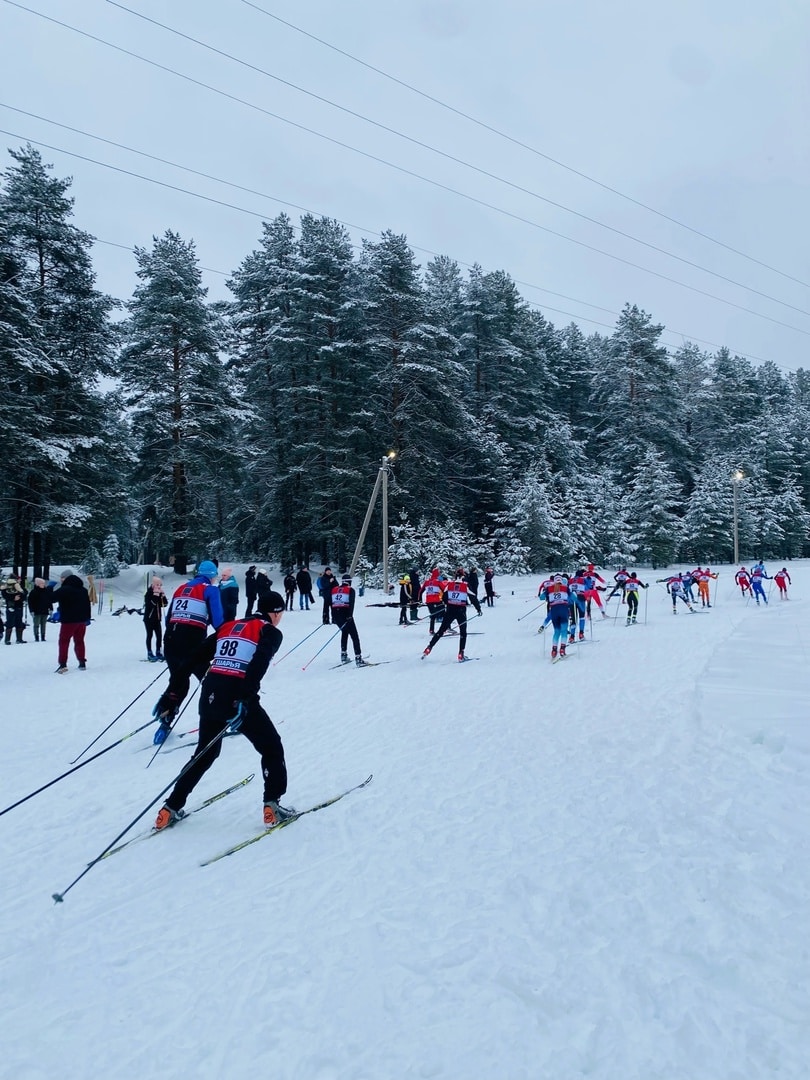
x: 736, y: 477
x: 380, y: 482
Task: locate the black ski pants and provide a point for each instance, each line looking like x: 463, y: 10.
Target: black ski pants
x: 218, y: 704
x: 453, y: 613
x: 347, y: 630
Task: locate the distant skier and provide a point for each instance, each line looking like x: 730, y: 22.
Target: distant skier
x: 743, y: 579
x: 676, y: 591
x: 557, y: 594
x: 782, y: 579
x: 758, y: 575
x: 631, y: 587
x: 455, y: 596
x: 343, y: 600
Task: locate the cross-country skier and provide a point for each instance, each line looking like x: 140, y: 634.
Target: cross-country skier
x: 743, y: 579
x: 455, y: 596
x: 758, y: 574
x: 239, y: 655
x: 632, y: 585
x: 676, y: 591
x: 703, y: 578
x: 194, y: 607
x: 343, y: 598
x: 557, y: 594
x: 782, y: 579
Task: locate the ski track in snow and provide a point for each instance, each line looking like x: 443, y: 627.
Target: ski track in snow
x: 590, y: 869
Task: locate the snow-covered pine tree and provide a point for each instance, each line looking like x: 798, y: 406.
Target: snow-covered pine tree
x: 69, y: 344
x: 111, y: 556
x: 652, y: 506
x: 183, y: 408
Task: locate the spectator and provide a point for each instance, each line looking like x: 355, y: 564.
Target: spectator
x: 251, y: 590
x: 40, y: 604
x: 304, y: 581
x: 74, y: 618
x: 14, y: 597
x: 154, y: 601
x: 228, y: 594
x: 290, y: 586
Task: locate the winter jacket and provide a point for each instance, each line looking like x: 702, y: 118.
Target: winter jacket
x: 153, y: 605
x: 40, y: 600
x: 304, y: 580
x: 229, y: 595
x: 73, y: 600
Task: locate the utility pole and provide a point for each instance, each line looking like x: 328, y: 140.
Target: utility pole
x: 380, y: 483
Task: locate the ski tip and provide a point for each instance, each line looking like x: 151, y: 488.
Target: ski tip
x: 58, y: 897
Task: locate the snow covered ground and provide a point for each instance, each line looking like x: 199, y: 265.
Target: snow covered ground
x: 594, y: 869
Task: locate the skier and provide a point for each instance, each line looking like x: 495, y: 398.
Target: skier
x: 194, y: 607
x: 432, y: 592
x: 455, y: 597
x: 676, y: 591
x: 781, y: 577
x: 343, y: 599
x: 743, y: 579
x: 620, y: 578
x: 758, y: 574
x: 631, y: 596
x: 591, y: 591
x: 703, y: 577
x: 154, y: 601
x: 557, y: 594
x: 688, y: 579
x: 577, y: 605
x: 239, y: 654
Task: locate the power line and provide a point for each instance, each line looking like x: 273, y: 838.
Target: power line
x: 262, y: 217
x: 451, y: 157
x: 408, y: 172
x: 525, y: 146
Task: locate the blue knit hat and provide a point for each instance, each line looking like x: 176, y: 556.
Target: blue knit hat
x: 207, y: 568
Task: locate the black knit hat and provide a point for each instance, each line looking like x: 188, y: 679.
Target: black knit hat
x: 270, y: 602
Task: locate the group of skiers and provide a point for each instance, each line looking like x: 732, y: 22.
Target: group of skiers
x: 750, y: 582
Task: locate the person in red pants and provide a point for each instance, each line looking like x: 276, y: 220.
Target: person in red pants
x: 74, y: 618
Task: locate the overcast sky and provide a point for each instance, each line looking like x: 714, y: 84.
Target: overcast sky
x: 699, y: 111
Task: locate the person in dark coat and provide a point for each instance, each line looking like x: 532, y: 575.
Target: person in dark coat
x: 14, y: 597
x: 251, y: 589
x: 154, y: 603
x: 472, y: 582
x: 405, y: 598
x: 327, y: 582
x: 303, y: 580
x: 40, y: 604
x: 74, y: 618
x: 416, y: 587
x: 290, y: 586
x: 489, y: 587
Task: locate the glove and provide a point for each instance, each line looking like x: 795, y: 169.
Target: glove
x: 646, y: 586
x: 235, y: 722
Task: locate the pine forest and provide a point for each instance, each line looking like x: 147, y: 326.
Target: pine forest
x: 168, y: 428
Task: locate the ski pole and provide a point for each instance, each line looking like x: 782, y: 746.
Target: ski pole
x: 59, y: 897
x: 536, y: 606
x: 646, y: 592
x: 318, y: 653
x: 174, y: 722
x: 50, y: 783
x: 301, y: 642
x: 107, y: 728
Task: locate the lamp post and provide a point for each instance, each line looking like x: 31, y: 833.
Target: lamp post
x: 736, y: 477
x: 380, y: 482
